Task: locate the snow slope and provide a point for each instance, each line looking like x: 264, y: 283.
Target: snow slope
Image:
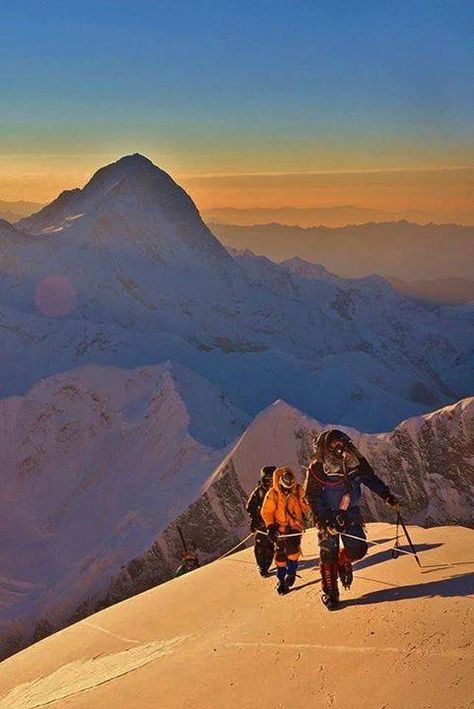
x: 101, y: 465
x: 221, y: 637
x: 428, y: 463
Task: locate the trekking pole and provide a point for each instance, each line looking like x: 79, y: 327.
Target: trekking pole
x: 410, y: 553
x: 396, y: 546
x: 410, y: 543
x: 378, y: 544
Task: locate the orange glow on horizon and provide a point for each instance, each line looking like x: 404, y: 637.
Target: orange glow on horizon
x: 441, y: 193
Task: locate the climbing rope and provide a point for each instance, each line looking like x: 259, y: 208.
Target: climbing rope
x: 235, y: 548
x: 396, y: 548
x: 282, y: 536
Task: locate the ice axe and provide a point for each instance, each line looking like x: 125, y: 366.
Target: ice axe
x: 183, y: 542
x: 181, y: 536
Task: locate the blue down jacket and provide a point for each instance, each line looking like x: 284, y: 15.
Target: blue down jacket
x: 324, y: 491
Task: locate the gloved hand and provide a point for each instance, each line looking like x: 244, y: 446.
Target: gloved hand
x: 392, y: 502
x: 272, y: 532
x: 339, y: 521
x: 331, y: 522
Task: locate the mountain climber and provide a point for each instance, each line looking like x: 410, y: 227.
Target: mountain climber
x: 333, y: 490
x: 283, y: 511
x: 189, y: 562
x: 264, y: 548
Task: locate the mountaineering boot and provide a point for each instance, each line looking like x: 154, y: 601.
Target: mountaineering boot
x: 263, y: 572
x: 291, y: 572
x: 330, y: 591
x: 344, y: 567
x: 282, y: 586
x: 331, y: 602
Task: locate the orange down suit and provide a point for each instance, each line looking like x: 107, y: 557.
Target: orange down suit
x: 287, y: 510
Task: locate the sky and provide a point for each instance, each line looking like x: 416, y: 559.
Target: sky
x: 227, y: 96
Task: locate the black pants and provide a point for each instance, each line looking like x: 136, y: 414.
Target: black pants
x: 264, y: 551
x: 286, y: 548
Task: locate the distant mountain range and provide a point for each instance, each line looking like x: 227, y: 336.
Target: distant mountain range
x: 12, y: 211
x: 341, y: 215
x: 401, y: 250
x: 311, y: 243
x: 451, y: 291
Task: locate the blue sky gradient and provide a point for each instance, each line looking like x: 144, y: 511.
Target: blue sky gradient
x: 239, y: 86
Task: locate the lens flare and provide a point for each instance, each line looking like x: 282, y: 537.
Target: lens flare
x: 55, y: 296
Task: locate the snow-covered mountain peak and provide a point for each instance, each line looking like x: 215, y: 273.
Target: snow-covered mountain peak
x: 133, y: 162
x: 124, y: 242
x: 71, y: 202
x: 276, y: 413
x: 129, y: 199
x: 129, y: 167
x: 265, y: 442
